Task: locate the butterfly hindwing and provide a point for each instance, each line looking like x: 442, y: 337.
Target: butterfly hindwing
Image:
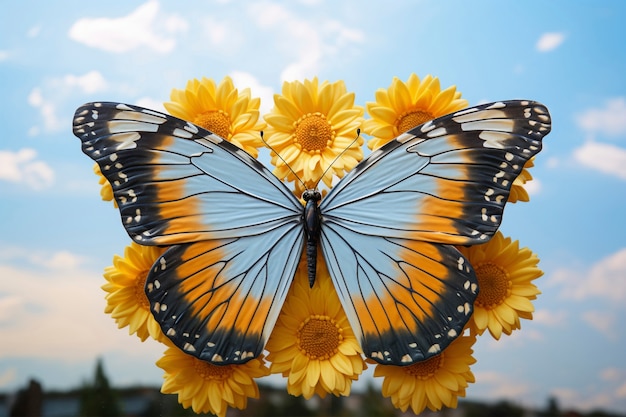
x: 406, y: 300
x: 219, y: 299
x: 234, y: 229
x: 392, y: 218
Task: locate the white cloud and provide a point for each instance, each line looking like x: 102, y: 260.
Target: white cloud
x: 603, y: 157
x: 604, y: 280
x: 7, y: 377
x: 533, y: 187
x: 550, y: 41
x: 224, y: 35
x: 499, y: 385
x: 517, y: 339
x: 550, y: 318
x: 602, y: 321
x: 613, y: 374
x: 23, y: 167
x: 8, y: 305
x: 4, y: 55
x: 609, y: 120
x: 246, y: 80
x: 138, y: 29
x: 584, y: 401
x: 33, y: 32
x: 47, y: 109
x: 309, y: 42
x: 91, y: 82
x: 53, y: 94
x: 150, y: 103
x: 57, y: 313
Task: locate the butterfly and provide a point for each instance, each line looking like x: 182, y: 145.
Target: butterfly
x: 235, y: 233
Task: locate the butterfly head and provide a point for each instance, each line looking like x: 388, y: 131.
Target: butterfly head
x: 312, y: 195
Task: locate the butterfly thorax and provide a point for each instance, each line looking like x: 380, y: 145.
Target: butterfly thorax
x: 312, y: 219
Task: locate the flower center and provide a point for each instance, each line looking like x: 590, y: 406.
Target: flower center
x: 319, y: 337
x: 207, y: 370
x: 425, y: 369
x: 140, y: 291
x: 215, y: 121
x: 494, y: 285
x: 412, y: 119
x: 313, y: 132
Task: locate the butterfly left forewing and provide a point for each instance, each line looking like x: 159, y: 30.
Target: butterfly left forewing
x: 175, y: 182
x: 234, y: 229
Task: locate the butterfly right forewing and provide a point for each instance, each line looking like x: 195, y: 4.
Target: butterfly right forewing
x: 388, y: 225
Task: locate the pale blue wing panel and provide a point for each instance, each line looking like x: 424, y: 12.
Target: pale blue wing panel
x: 175, y: 182
x: 446, y: 181
x: 406, y: 300
x: 219, y: 299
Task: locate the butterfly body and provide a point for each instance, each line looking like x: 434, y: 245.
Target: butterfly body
x: 387, y: 230
x: 312, y: 219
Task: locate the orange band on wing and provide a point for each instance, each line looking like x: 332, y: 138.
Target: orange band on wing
x: 410, y: 297
x: 440, y: 215
x: 212, y: 297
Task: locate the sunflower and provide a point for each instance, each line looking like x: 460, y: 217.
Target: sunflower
x: 210, y: 388
x: 433, y: 383
x: 106, y: 191
x: 504, y: 273
x: 404, y: 106
x: 221, y: 109
x: 126, y: 298
x: 310, y: 125
x: 518, y: 193
x: 312, y: 343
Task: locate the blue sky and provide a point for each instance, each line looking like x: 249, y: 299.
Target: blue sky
x: 56, y: 235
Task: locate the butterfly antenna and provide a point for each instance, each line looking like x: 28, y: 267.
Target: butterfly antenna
x: 358, y: 134
x: 285, y: 162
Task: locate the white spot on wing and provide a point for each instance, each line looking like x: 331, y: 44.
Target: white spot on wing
x: 434, y: 348
x: 181, y: 133
x: 125, y: 140
x: 493, y: 140
x: 428, y: 126
x: 405, y: 137
x: 191, y: 128
x: 440, y: 131
x: 497, y: 105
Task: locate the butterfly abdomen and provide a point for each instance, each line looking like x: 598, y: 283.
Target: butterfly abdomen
x: 312, y: 218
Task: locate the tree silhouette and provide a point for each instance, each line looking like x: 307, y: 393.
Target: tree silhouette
x: 97, y: 398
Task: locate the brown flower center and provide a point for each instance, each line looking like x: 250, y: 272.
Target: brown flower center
x: 494, y: 285
x: 140, y: 291
x: 319, y: 337
x: 313, y: 132
x: 412, y: 119
x: 215, y: 121
x: 425, y: 369
x: 207, y: 370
